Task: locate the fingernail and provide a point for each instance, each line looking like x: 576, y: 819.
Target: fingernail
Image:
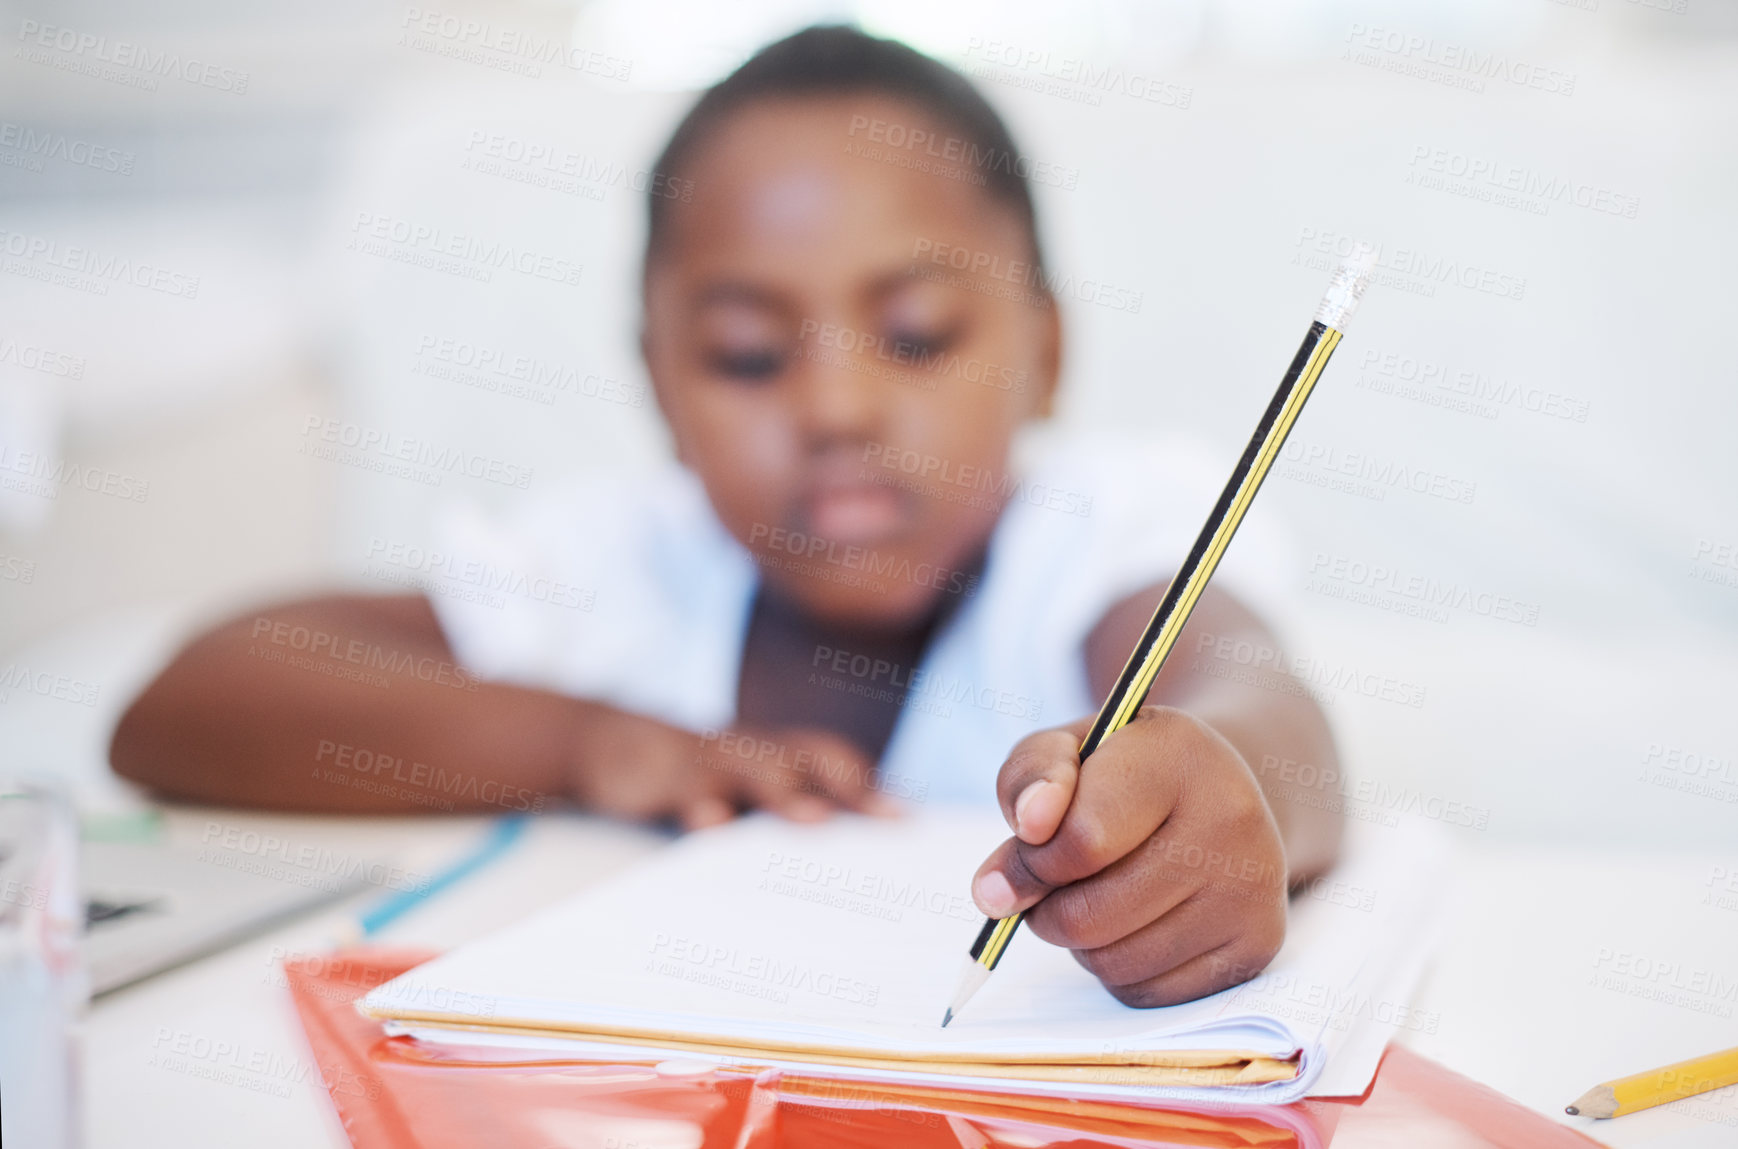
x: 1024, y: 801
x: 994, y: 895
x: 883, y: 806
x: 707, y: 812
x: 807, y: 809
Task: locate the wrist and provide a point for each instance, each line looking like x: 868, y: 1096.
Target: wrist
x: 589, y: 728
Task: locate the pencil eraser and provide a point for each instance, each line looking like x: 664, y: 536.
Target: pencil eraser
x: 1347, y: 287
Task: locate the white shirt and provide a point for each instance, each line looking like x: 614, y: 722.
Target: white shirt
x: 628, y: 591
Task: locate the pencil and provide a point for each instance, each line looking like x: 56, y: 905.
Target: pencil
x: 1341, y: 299
x: 1658, y: 1086
x: 501, y: 835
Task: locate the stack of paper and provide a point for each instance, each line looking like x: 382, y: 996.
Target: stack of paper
x: 833, y: 949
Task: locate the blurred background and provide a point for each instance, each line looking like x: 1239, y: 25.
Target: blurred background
x: 1534, y: 416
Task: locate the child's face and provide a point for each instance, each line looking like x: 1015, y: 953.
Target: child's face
x: 847, y: 400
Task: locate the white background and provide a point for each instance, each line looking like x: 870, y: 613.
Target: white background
x: 1294, y: 130
x: 1559, y: 735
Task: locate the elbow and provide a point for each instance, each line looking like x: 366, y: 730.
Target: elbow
x: 138, y: 748
x: 129, y: 755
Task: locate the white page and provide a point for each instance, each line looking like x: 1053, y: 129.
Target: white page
x: 851, y: 933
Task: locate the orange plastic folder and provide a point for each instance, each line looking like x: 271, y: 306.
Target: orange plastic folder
x: 394, y: 1093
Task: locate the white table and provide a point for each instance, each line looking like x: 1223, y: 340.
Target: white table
x: 1515, y: 998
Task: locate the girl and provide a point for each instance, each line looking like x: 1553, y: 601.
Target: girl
x: 841, y: 594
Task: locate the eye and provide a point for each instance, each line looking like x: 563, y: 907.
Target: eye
x: 922, y: 321
x: 923, y: 342
x: 748, y: 365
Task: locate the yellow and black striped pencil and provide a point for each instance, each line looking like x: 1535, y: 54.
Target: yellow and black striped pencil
x: 1341, y: 299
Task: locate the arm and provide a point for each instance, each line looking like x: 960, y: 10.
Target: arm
x: 279, y: 708
x: 356, y: 704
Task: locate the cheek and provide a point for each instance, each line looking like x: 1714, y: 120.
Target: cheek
x: 981, y: 400
x: 747, y: 456
x: 968, y: 424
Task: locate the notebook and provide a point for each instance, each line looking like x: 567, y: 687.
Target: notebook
x: 834, y: 948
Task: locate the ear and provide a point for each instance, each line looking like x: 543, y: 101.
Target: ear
x: 1048, y: 360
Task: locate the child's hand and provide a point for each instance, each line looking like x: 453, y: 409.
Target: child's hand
x: 637, y: 767
x: 1157, y: 863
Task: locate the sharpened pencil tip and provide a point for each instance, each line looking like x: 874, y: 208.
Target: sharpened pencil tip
x: 947, y: 1019
x: 1569, y: 1109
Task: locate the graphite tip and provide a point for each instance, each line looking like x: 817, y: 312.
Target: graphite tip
x: 972, y: 979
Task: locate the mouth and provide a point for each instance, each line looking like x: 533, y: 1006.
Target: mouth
x: 857, y: 513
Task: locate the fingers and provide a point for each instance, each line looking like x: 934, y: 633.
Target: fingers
x: 796, y: 806
x: 800, y: 774
x: 1119, y: 800
x: 1119, y: 900
x: 1002, y: 885
x: 1231, y: 962
x: 1189, y: 930
x: 1036, y: 783
x: 838, y: 773
x: 1219, y: 855
x: 705, y: 810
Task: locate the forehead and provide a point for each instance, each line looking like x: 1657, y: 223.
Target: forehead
x: 815, y: 187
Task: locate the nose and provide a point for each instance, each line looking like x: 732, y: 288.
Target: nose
x: 842, y: 390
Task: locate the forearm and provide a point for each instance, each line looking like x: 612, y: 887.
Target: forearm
x: 375, y: 717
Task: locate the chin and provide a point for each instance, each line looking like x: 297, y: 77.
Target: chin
x: 873, y: 602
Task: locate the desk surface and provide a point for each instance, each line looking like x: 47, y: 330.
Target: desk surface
x: 1559, y: 969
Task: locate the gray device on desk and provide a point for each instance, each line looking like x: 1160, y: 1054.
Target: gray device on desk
x: 150, y: 908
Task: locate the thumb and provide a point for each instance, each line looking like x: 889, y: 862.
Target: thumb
x: 1036, y: 783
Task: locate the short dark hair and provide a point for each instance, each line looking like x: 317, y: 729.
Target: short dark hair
x: 831, y: 60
